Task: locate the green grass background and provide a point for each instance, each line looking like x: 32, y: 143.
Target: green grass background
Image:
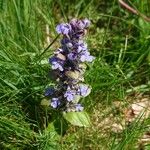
x: 119, y: 40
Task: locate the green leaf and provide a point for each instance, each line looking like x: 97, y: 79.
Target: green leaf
x: 50, y: 127
x: 78, y: 118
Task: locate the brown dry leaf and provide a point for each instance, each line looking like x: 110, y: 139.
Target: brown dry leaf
x: 146, y: 137
x: 144, y: 140
x: 138, y: 109
x: 129, y: 115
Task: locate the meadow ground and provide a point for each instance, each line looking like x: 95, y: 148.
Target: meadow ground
x: 120, y: 75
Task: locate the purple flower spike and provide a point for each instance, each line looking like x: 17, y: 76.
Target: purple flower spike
x: 63, y: 28
x: 55, y: 102
x: 68, y: 66
x: 78, y: 107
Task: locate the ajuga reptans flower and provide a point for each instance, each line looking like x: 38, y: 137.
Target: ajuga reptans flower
x: 69, y: 64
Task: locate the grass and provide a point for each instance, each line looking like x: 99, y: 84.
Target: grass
x: 119, y: 40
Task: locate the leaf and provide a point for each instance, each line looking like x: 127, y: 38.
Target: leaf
x: 51, y: 137
x: 50, y: 127
x: 80, y: 119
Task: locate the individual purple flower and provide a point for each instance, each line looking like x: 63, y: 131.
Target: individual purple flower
x: 63, y: 28
x: 49, y: 91
x: 81, y: 46
x: 56, y: 63
x: 69, y: 94
x: 79, y: 107
x: 72, y: 56
x: 86, y: 23
x: 67, y: 43
x: 83, y: 24
x: 73, y: 23
x: 85, y: 56
x: 55, y: 102
x: 78, y: 29
x: 84, y: 90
